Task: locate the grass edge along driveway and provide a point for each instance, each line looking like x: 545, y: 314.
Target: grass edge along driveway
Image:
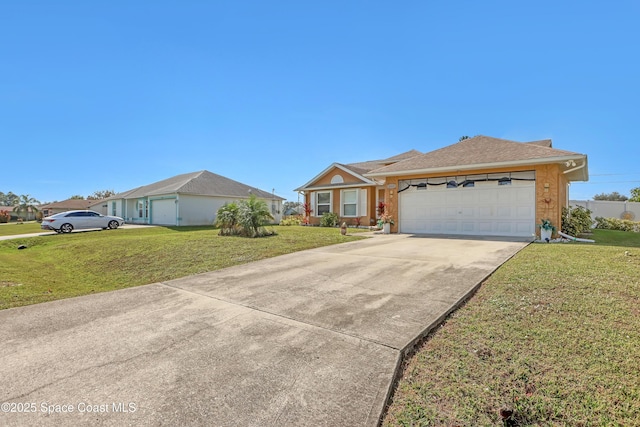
x: 68, y: 265
x: 551, y: 338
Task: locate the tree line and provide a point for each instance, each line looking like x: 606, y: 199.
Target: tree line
x: 617, y: 197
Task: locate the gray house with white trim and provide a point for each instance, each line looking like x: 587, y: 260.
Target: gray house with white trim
x: 187, y: 199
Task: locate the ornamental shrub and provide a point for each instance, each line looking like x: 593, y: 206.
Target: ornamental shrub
x: 329, y: 219
x: 245, y: 218
x: 576, y: 220
x: 291, y: 220
x: 227, y: 220
x: 253, y: 215
x: 617, y: 224
x: 5, y: 216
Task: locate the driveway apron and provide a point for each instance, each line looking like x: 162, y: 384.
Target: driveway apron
x: 310, y: 338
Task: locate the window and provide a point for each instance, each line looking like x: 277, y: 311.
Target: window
x: 349, y: 202
x: 504, y: 181
x: 140, y: 210
x: 468, y: 184
x: 337, y: 179
x: 323, y: 202
x: 452, y: 184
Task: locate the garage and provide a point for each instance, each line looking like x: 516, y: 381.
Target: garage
x: 163, y: 212
x: 484, y: 205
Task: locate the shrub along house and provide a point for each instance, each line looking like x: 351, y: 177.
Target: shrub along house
x: 479, y: 186
x: 187, y: 199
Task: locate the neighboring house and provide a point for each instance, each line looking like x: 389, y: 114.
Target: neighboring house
x: 478, y: 186
x: 49, y: 209
x: 188, y: 199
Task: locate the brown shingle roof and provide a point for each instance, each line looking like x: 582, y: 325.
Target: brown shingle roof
x: 369, y: 165
x: 479, y: 150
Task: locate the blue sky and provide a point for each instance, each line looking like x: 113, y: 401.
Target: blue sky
x: 118, y: 94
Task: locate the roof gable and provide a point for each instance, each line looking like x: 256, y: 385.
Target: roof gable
x: 358, y: 170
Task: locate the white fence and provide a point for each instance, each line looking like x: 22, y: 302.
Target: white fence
x: 606, y: 209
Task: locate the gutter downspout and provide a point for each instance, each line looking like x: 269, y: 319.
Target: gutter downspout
x: 177, y: 209
x: 584, y: 163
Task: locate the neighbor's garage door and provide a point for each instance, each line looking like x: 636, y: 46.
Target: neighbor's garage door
x: 486, y: 209
x: 163, y: 212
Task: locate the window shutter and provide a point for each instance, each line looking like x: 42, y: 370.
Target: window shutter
x: 363, y: 208
x: 312, y: 200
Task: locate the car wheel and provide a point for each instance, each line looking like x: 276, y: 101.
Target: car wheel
x: 113, y: 224
x: 66, y: 228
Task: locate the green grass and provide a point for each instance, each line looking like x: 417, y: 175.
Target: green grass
x: 14, y: 228
x: 553, y: 334
x: 66, y: 265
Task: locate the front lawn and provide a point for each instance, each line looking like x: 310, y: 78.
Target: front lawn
x: 67, y: 265
x: 553, y: 335
x: 15, y: 228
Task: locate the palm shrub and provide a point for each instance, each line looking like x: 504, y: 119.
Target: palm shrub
x: 227, y: 219
x: 253, y: 215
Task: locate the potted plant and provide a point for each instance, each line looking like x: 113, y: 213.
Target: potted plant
x: 546, y: 230
x: 385, y: 222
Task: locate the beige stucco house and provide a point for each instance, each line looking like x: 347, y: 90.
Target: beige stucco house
x: 478, y: 186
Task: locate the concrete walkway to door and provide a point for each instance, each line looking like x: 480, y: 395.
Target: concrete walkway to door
x: 310, y: 338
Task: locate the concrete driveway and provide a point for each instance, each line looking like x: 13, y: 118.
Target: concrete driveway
x: 311, y: 338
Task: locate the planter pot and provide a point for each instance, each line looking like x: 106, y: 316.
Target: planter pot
x: 545, y: 235
x: 386, y: 228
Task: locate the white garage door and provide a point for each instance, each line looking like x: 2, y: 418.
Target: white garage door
x: 487, y: 209
x: 163, y: 212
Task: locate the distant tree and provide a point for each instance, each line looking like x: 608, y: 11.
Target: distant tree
x: 463, y: 137
x: 25, y: 205
x: 635, y: 195
x: 614, y: 196
x: 99, y: 195
x: 8, y: 199
x: 291, y: 205
x: 77, y: 197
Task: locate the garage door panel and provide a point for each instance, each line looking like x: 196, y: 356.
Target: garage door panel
x: 504, y: 212
x: 450, y: 211
x: 468, y: 211
x: 525, y: 212
x: 485, y: 209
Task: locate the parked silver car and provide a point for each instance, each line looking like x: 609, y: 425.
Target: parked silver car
x: 66, y: 222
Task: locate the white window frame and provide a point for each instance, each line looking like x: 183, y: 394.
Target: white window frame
x: 356, y: 203
x: 316, y: 197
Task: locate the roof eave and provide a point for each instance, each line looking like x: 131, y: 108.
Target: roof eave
x: 335, y: 186
x: 492, y: 165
